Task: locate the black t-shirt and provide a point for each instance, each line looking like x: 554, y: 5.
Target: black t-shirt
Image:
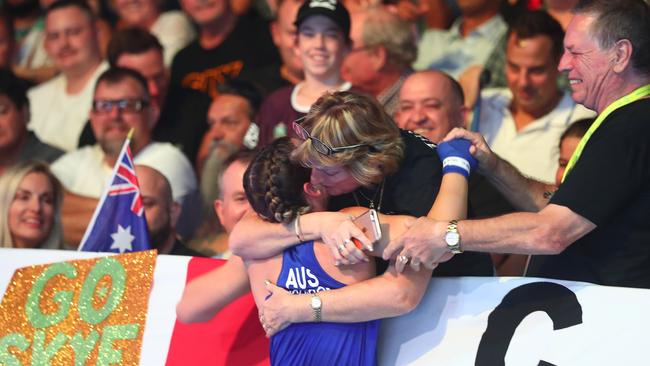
x: 247, y: 53
x: 609, y: 186
x: 412, y: 191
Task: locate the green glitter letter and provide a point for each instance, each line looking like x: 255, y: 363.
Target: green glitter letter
x: 12, y: 340
x: 42, y: 355
x: 63, y: 298
x: 105, y: 267
x: 82, y: 347
x: 107, y: 354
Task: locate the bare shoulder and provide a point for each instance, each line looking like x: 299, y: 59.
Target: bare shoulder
x: 345, y: 274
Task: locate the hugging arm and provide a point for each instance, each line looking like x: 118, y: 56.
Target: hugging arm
x: 254, y: 238
x: 524, y: 193
x: 388, y: 295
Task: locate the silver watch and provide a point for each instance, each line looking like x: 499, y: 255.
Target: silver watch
x: 452, y: 237
x: 316, y: 307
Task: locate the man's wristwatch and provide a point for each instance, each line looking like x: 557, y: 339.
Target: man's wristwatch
x: 452, y: 237
x: 316, y: 307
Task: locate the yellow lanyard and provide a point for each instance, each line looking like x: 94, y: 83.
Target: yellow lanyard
x: 637, y: 94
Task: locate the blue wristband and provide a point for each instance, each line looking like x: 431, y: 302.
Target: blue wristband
x: 456, y: 158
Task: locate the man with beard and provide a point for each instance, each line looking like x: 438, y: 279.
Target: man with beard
x: 524, y: 122
x: 161, y: 211
x: 121, y: 102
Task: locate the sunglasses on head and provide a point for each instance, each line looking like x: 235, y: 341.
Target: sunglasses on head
x: 319, y: 145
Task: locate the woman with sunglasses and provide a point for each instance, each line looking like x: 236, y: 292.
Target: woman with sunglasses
x: 360, y: 158
x: 279, y: 191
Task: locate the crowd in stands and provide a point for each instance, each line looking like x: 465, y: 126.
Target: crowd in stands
x: 256, y: 125
x: 202, y: 82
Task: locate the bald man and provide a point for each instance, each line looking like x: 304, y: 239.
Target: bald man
x: 161, y: 212
x: 431, y: 103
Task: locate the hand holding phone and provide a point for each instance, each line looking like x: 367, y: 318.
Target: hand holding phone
x: 368, y: 222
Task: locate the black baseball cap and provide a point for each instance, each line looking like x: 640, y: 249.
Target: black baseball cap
x: 332, y: 9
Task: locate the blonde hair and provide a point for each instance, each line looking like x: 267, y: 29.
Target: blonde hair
x: 345, y: 118
x: 9, y: 182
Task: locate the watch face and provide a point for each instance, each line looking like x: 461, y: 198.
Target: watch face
x: 452, y: 238
x: 315, y: 302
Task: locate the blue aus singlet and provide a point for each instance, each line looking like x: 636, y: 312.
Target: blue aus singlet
x: 319, y: 343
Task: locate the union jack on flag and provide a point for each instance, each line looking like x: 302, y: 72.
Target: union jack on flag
x: 118, y: 224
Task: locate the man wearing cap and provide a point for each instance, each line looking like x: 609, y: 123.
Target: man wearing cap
x: 322, y: 43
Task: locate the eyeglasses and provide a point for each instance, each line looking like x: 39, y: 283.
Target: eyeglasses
x: 319, y: 145
x: 123, y: 105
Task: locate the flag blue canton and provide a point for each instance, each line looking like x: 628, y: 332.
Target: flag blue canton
x: 118, y: 224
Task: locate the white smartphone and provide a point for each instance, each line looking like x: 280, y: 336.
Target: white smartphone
x: 368, y: 222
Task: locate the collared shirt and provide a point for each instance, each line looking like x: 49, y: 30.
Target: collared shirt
x: 534, y: 150
x: 449, y: 51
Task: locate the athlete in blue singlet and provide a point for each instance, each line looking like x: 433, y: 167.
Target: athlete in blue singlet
x: 274, y: 187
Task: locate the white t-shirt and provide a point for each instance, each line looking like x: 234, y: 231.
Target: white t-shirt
x: 174, y: 31
x: 535, y: 149
x: 58, y: 118
x: 85, y: 173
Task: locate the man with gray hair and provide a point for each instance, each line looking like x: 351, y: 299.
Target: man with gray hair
x: 383, y: 48
x: 594, y: 228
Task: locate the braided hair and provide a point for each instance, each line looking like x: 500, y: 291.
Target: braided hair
x: 273, y: 184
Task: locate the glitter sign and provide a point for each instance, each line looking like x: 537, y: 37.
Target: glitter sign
x: 77, y: 312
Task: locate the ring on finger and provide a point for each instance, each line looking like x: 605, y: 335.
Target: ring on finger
x: 341, y: 247
x: 346, y: 242
x: 403, y: 259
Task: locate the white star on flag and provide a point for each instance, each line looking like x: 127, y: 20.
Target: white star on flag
x: 122, y: 239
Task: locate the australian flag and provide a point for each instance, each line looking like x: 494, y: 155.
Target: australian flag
x: 118, y: 224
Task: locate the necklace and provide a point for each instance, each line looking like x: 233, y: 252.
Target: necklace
x: 371, y: 201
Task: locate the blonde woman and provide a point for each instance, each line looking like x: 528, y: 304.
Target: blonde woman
x: 30, y: 199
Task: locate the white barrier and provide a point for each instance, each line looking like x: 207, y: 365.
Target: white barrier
x: 461, y: 321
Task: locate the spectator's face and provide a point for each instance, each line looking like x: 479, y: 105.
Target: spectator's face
x: 71, y: 39
x: 31, y: 213
x: 567, y: 147
x: 531, y: 73
x: 427, y: 106
x: 588, y: 66
x: 205, y: 12
x: 321, y: 47
x: 334, y: 180
x: 150, y: 65
x: 233, y: 205
x: 6, y: 47
x: 159, y: 208
x: 285, y: 34
x: 137, y: 13
x: 229, y: 118
x: 112, y: 123
x: 12, y: 124
x: 360, y: 66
